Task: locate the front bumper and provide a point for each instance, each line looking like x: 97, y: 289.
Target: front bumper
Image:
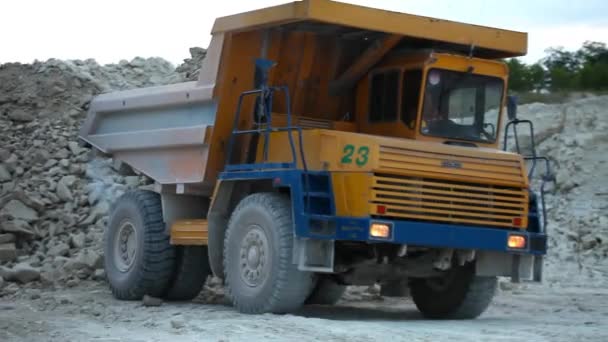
x: 430, y: 235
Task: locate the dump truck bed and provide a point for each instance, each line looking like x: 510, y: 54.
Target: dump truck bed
x: 162, y: 132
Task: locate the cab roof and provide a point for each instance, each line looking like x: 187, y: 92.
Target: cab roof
x: 331, y: 17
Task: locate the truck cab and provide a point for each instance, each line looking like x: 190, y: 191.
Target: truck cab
x: 436, y: 97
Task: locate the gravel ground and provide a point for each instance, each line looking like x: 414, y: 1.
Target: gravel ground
x: 89, y: 313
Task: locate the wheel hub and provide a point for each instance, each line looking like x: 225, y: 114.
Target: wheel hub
x: 125, y: 246
x: 254, y: 246
x: 442, y: 283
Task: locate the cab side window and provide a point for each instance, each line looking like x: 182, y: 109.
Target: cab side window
x: 383, y: 96
x: 412, y: 80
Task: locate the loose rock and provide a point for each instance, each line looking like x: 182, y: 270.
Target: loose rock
x: 8, y: 252
x: 60, y: 249
x: 7, y: 237
x: 25, y: 273
x: 20, y: 115
x: 151, y: 301
x: 64, y: 193
x: 20, y: 227
x: 5, y: 176
x: 18, y: 210
x: 78, y: 240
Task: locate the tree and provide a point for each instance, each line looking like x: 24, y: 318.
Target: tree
x: 584, y: 69
x: 594, y: 72
x: 563, y: 68
x: 536, y: 76
x: 518, y: 75
x: 592, y: 53
x: 525, y: 78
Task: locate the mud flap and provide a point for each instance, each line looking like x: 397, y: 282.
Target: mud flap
x: 520, y: 267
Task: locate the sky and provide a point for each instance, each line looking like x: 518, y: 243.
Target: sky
x: 111, y: 30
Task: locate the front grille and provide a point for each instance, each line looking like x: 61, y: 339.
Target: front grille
x: 430, y: 199
x: 438, y: 164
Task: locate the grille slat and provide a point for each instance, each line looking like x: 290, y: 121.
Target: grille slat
x: 444, y: 204
x: 433, y: 164
x: 457, y: 202
x: 433, y: 185
x: 454, y: 185
x: 448, y: 192
x: 469, y: 165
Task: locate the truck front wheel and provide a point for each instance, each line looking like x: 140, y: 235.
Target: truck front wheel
x: 458, y: 295
x: 258, y: 252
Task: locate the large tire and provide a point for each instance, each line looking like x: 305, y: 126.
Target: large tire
x: 461, y: 296
x: 138, y: 257
x: 326, y: 292
x: 190, y: 274
x: 258, y: 252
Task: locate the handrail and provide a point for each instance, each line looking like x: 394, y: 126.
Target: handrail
x: 547, y: 176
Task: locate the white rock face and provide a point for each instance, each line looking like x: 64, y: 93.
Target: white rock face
x: 574, y: 135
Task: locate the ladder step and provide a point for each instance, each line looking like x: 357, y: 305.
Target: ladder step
x: 317, y: 194
x: 320, y: 217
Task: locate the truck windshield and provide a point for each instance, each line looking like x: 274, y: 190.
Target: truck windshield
x: 461, y: 105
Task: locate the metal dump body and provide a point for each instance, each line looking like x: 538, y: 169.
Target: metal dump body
x: 177, y: 134
x: 161, y: 131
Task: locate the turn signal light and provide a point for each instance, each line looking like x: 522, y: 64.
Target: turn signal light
x: 380, y: 230
x: 516, y: 241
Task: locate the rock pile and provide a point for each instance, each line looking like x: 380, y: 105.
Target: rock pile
x: 574, y: 135
x: 191, y: 66
x: 54, y: 195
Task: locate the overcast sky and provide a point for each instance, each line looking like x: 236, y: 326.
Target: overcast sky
x: 111, y: 30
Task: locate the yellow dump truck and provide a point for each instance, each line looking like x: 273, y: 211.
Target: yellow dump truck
x: 325, y: 145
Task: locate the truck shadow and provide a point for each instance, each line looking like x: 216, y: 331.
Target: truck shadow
x: 351, y: 313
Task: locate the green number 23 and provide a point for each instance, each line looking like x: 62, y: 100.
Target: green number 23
x: 362, y: 155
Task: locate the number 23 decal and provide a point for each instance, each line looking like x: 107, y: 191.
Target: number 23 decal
x: 361, y: 157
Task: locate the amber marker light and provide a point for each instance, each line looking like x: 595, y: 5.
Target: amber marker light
x: 380, y: 230
x: 516, y: 241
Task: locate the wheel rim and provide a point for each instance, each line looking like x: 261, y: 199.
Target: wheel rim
x: 253, y: 256
x: 125, y: 246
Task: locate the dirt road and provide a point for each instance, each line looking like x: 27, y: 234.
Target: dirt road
x: 89, y: 313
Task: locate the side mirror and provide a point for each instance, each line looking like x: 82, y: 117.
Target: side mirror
x: 512, y: 107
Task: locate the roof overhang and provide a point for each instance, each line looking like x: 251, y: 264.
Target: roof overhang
x: 496, y: 43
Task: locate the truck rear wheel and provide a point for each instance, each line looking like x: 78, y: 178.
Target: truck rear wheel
x: 190, y: 274
x: 138, y: 257
x: 260, y: 275
x: 458, y: 295
x: 326, y: 292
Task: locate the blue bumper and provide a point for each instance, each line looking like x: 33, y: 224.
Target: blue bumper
x: 429, y: 235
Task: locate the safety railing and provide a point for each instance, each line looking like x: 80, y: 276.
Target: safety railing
x: 264, y: 128
x: 547, y: 176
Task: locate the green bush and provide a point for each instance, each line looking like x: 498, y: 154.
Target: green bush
x: 585, y: 69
